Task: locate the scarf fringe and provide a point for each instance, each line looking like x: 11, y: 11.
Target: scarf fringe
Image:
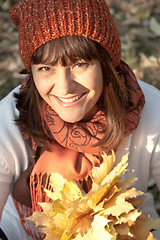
x: 37, y: 184
x: 30, y: 228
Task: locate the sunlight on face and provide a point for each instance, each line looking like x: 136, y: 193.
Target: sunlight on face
x: 72, y: 91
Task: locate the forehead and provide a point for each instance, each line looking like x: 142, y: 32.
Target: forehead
x: 66, y: 50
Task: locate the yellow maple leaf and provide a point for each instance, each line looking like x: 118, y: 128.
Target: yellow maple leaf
x: 57, y: 182
x: 117, y: 208
x: 81, y: 224
x: 71, y: 191
x: 98, y: 228
x: 123, y: 230
x: 40, y: 218
x: 129, y: 218
x: 99, y: 173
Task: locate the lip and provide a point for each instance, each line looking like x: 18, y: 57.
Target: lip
x: 73, y: 103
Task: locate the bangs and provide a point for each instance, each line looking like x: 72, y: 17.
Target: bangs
x: 66, y: 50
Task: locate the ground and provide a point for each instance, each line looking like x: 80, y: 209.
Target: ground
x: 138, y: 23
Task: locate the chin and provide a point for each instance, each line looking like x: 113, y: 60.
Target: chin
x: 71, y: 120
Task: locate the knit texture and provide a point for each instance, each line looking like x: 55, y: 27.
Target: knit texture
x: 40, y: 21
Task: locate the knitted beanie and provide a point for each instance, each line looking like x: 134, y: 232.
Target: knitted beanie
x: 40, y: 21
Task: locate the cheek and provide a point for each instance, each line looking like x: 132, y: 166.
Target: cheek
x: 41, y: 85
x: 96, y: 82
x: 99, y: 80
x: 98, y: 77
x: 93, y: 81
x: 40, y: 88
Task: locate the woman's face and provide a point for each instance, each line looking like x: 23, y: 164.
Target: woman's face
x: 72, y: 91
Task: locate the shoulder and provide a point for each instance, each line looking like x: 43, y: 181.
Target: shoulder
x: 150, y: 115
x: 8, y: 104
x: 8, y: 113
x: 151, y: 93
x: 14, y: 152
x: 146, y: 137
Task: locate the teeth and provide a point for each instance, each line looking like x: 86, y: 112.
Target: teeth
x: 69, y: 100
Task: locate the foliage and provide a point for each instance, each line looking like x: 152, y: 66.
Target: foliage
x: 108, y: 211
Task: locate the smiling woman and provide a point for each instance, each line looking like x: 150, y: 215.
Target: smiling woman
x: 74, y: 68
x: 78, y: 100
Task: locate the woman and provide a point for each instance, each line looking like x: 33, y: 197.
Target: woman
x: 78, y: 99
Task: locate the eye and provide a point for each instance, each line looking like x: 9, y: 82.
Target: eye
x: 45, y: 69
x: 83, y: 64
x: 80, y: 65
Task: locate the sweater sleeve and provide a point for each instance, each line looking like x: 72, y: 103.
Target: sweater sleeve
x: 155, y: 164
x: 150, y: 124
x: 6, y: 176
x: 15, y: 155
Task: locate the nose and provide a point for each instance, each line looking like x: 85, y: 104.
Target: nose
x: 65, y: 83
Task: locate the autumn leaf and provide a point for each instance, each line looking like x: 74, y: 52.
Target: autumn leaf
x: 99, y: 173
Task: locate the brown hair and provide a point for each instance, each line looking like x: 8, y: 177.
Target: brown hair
x: 113, y: 101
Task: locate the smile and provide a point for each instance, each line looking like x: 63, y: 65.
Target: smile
x: 70, y: 100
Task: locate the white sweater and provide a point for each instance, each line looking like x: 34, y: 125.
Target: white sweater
x: 15, y: 156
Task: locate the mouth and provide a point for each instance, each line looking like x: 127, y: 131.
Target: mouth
x: 70, y: 100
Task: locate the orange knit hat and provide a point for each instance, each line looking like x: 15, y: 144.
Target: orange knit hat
x: 40, y: 21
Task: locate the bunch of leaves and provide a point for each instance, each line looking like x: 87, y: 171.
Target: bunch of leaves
x: 109, y: 211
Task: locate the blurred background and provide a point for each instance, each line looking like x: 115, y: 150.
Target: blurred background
x: 138, y: 22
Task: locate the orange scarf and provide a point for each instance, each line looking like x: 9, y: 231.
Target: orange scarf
x: 73, y: 154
